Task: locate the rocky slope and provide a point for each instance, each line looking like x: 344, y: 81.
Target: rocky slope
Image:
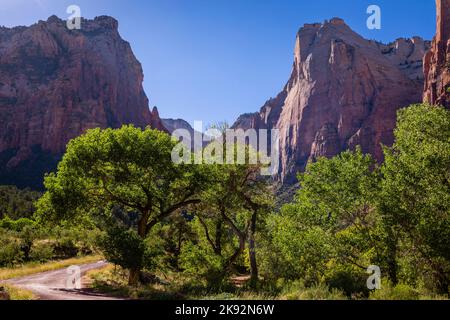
x: 56, y: 83
x: 174, y: 124
x: 344, y: 91
x: 437, y: 60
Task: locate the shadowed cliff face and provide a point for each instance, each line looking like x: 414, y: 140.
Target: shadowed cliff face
x: 437, y: 60
x: 344, y: 91
x: 56, y: 83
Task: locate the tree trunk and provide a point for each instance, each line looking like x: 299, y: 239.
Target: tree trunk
x: 252, y: 252
x: 392, y: 258
x: 242, y: 239
x: 233, y: 258
x: 218, y: 246
x: 441, y: 278
x: 178, y: 249
x: 133, y: 279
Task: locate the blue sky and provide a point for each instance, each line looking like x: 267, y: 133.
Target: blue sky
x: 212, y: 60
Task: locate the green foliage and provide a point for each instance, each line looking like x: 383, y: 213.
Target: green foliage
x: 398, y: 292
x: 300, y: 254
x: 124, y: 248
x: 65, y: 248
x: 349, y: 214
x: 199, y: 261
x: 348, y: 279
x: 127, y: 168
x: 17, y: 225
x: 42, y: 252
x: 10, y: 251
x: 328, y: 226
x: 200, y: 225
x: 24, y: 240
x: 15, y: 203
x: 416, y: 187
x: 226, y: 223
x: 338, y: 192
x: 298, y: 291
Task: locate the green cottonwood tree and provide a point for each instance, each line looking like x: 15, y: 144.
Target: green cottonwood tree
x: 127, y: 167
x: 330, y: 220
x: 226, y: 220
x: 416, y: 186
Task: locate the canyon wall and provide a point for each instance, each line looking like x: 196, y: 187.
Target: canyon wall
x: 343, y: 91
x: 437, y: 60
x: 56, y: 83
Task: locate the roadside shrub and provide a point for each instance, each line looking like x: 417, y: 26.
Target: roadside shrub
x: 10, y: 253
x: 84, y: 240
x: 65, y: 248
x: 8, y: 292
x: 28, y: 234
x: 41, y: 252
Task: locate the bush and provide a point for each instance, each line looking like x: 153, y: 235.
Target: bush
x: 204, y: 266
x: 65, y: 248
x: 10, y: 253
x: 348, y: 280
x: 41, y: 252
x: 16, y: 225
x: 399, y: 292
x: 17, y: 203
x: 293, y: 252
x: 82, y: 238
x: 123, y: 247
x: 297, y: 291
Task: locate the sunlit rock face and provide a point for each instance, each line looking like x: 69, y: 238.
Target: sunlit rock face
x: 56, y: 83
x: 437, y: 60
x: 344, y: 91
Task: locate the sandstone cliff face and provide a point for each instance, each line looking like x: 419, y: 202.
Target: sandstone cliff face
x: 56, y: 83
x: 344, y: 91
x: 437, y: 60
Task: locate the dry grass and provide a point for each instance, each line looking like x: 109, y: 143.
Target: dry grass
x: 16, y: 293
x: 113, y: 281
x: 28, y: 269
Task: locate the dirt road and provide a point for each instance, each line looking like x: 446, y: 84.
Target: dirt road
x: 52, y: 285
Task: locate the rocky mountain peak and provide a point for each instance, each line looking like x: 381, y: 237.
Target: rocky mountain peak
x: 56, y: 83
x: 343, y: 91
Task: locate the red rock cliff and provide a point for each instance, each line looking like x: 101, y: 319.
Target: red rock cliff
x: 437, y: 60
x: 344, y: 91
x: 56, y: 83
